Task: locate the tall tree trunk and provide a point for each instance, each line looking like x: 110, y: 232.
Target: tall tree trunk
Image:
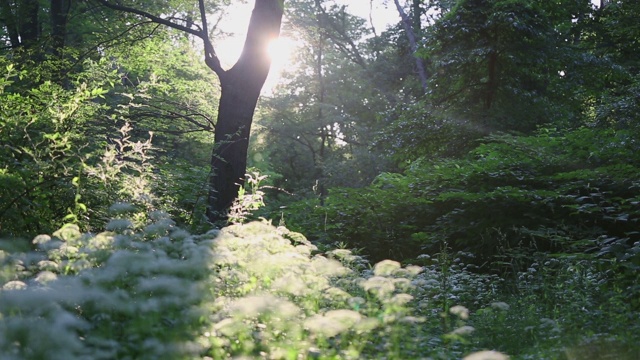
x: 241, y: 87
x: 59, y: 13
x: 29, y: 25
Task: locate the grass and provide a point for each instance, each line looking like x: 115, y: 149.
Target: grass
x: 146, y: 289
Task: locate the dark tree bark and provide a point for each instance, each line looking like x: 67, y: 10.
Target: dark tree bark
x: 59, y: 16
x: 241, y: 87
x: 29, y: 26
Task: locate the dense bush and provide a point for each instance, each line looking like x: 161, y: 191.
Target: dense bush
x: 556, y: 192
x: 45, y: 137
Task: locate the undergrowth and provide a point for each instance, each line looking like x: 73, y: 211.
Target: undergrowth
x: 146, y: 289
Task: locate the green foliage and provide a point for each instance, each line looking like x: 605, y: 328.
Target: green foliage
x: 556, y: 191
x: 44, y: 133
x: 420, y: 131
x: 375, y: 217
x: 72, y: 146
x: 489, y: 60
x: 250, y: 198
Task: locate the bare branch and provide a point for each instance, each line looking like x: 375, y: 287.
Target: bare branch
x: 373, y: 28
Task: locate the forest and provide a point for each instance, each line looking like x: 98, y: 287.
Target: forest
x: 461, y: 181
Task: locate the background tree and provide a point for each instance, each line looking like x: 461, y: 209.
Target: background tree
x: 316, y: 138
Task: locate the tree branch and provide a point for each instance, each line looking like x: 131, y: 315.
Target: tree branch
x: 151, y: 17
x: 211, y: 59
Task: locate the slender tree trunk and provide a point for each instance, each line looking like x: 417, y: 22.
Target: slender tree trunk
x: 416, y: 13
x: 241, y: 87
x: 229, y: 158
x: 492, y: 83
x: 319, y: 163
x: 413, y: 43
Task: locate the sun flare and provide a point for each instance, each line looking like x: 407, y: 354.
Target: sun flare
x: 281, y: 51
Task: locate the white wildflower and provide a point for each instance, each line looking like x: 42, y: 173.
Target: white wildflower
x: 460, y: 311
x: 229, y: 327
x: 14, y: 285
x: 45, y: 277
x: 47, y: 265
x: 413, y: 320
x: 463, y: 330
x: 400, y: 299
x: 291, y: 284
x: 487, y: 355
x: 257, y: 305
x: 121, y: 208
x: 68, y: 250
x: 41, y: 239
x: 386, y: 268
x: 332, y: 323
x: 68, y: 232
x: 159, y: 228
x: 348, y: 317
x: 342, y: 254
x: 336, y: 294
x: 119, y: 225
x: 403, y: 284
x: 328, y: 267
x: 179, y: 234
x: 356, y: 302
x: 101, y: 241
x: 414, y: 270
x: 379, y: 285
x: 499, y: 305
x: 159, y: 215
